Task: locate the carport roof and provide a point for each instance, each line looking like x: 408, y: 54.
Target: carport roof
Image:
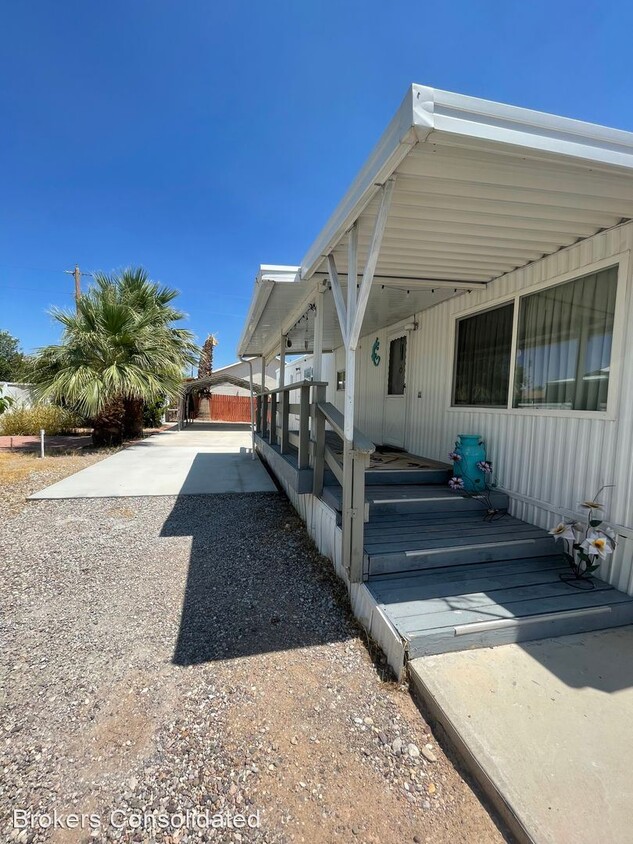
x: 481, y: 188
x: 217, y: 378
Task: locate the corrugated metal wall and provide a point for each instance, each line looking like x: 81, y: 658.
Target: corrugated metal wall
x: 547, y: 463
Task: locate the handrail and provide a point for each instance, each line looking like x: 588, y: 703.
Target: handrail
x: 296, y: 386
x: 336, y: 420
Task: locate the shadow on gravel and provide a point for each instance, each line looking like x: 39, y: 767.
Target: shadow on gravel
x: 255, y: 584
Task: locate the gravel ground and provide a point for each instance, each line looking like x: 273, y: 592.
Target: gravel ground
x: 22, y: 473
x: 164, y: 655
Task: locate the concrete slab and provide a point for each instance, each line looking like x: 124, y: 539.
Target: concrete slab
x: 196, y: 461
x: 546, y: 728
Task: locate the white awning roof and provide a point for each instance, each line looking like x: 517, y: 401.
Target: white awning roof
x: 481, y: 188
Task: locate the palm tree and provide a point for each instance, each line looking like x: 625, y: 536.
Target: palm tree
x: 120, y: 348
x: 205, y: 364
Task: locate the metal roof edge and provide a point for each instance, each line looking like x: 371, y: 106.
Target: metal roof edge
x: 267, y: 276
x: 508, y: 124
x: 412, y: 122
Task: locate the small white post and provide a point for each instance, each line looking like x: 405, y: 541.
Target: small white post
x: 42, y: 432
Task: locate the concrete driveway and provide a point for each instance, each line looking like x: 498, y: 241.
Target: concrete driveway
x: 203, y: 459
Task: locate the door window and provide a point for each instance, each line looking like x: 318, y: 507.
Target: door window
x: 397, y: 366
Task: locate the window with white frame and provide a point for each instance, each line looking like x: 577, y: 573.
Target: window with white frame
x: 563, y: 348
x: 563, y: 354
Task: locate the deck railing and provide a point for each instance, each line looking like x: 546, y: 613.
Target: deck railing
x: 274, y: 409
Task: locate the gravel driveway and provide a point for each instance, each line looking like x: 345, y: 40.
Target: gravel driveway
x: 172, y: 654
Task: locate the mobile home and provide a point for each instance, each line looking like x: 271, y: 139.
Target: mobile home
x: 474, y: 279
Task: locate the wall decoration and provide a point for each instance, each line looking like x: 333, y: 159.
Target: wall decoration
x: 375, y: 357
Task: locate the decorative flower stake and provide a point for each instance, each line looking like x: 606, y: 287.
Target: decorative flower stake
x: 586, y: 545
x: 483, y: 495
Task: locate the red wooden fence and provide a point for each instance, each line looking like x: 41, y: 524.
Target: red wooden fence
x: 230, y: 408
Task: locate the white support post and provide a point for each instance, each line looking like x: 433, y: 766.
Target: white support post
x: 317, y: 357
x: 350, y: 353
x: 317, y: 348
x: 263, y: 389
x: 284, y: 398
x: 282, y: 361
x: 349, y: 515
x: 370, y: 265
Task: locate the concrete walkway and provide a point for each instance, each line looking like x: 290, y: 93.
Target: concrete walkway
x: 203, y: 459
x: 546, y: 728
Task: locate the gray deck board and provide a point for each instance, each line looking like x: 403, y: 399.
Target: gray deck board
x: 556, y: 624
x: 570, y: 600
x: 436, y: 536
x: 461, y: 573
x: 414, y: 591
x: 414, y: 543
x: 473, y: 553
x: 388, y: 521
x: 407, y: 613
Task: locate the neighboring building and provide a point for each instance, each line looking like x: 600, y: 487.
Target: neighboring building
x: 20, y: 393
x: 302, y: 369
x: 240, y: 369
x: 489, y: 248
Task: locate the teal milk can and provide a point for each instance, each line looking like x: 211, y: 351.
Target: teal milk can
x: 472, y: 450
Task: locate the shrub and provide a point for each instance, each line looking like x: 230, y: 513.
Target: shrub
x: 153, y: 413
x: 23, y: 421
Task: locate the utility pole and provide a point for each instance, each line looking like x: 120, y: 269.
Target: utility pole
x: 77, y: 274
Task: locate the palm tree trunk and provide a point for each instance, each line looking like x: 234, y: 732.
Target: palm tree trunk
x: 107, y: 427
x: 133, y: 419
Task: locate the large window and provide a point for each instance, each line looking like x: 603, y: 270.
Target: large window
x: 564, y: 344
x: 482, y: 365
x: 563, y: 348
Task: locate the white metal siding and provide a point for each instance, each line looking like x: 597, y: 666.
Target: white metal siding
x: 547, y: 463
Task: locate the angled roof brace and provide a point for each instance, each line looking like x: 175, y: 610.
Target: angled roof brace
x: 372, y: 260
x: 337, y: 293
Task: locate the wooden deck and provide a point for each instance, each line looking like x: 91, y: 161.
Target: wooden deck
x: 431, y: 575
x: 447, y: 580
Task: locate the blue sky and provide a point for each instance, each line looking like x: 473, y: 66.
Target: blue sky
x: 200, y: 139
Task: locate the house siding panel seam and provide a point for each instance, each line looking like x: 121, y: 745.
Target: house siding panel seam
x: 547, y: 463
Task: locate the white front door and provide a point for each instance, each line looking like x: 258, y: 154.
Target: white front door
x: 396, y: 391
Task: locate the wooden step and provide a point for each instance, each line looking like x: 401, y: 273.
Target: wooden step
x: 598, y: 610
x: 417, y: 477
x: 389, y: 500
x: 470, y: 607
x: 459, y: 542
